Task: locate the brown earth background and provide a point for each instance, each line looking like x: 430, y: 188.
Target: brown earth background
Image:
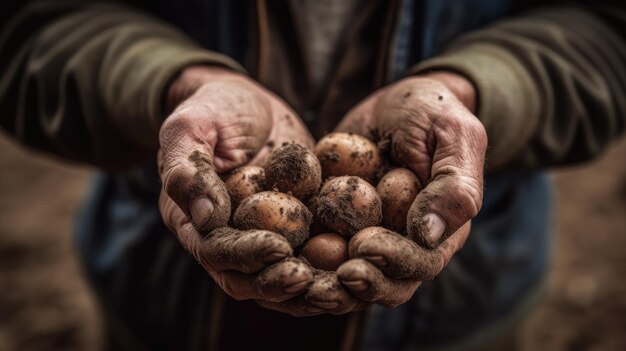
x: 45, y: 303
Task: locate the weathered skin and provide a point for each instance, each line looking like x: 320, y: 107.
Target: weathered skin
x: 222, y: 120
x: 226, y: 121
x: 429, y: 124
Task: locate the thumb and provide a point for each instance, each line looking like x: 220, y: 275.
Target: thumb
x: 188, y: 175
x: 455, y: 191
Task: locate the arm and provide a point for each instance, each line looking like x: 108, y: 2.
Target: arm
x: 104, y: 84
x: 548, y: 88
x: 551, y: 84
x: 87, y: 81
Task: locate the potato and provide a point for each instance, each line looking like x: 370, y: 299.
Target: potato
x: 326, y: 251
x: 293, y: 169
x: 397, y: 189
x: 276, y: 212
x: 348, y: 204
x: 316, y: 227
x: 342, y: 154
x: 243, y: 182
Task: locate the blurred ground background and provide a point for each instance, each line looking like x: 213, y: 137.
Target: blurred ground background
x: 45, y: 303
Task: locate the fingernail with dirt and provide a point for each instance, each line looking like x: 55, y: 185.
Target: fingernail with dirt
x: 327, y: 305
x: 356, y: 285
x: 294, y: 288
x: 201, y: 210
x: 432, y: 228
x: 274, y: 256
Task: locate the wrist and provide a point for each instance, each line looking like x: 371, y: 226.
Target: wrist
x: 459, y: 85
x: 191, y: 78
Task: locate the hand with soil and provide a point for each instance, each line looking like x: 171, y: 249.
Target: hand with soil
x: 429, y: 124
x: 222, y: 120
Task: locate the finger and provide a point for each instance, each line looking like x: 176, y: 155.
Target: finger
x: 237, y: 285
x: 283, y: 280
x: 188, y: 174
x: 396, y: 256
x: 297, y: 307
x: 455, y: 192
x: 368, y: 283
x: 454, y: 243
x: 279, y: 282
x: 327, y: 293
x: 173, y: 217
x: 244, y: 251
x: 224, y: 248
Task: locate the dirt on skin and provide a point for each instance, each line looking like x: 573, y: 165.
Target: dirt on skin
x: 326, y: 290
x: 383, y: 242
x: 348, y: 204
x: 204, y: 177
x: 277, y: 212
x: 46, y: 304
x: 277, y: 276
x: 220, y: 243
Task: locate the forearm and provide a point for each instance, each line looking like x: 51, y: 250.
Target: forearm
x: 87, y: 81
x: 550, y: 85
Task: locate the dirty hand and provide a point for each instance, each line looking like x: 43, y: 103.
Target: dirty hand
x: 431, y: 128
x: 222, y: 120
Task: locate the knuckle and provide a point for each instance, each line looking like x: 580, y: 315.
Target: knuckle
x: 174, y: 178
x: 198, y: 255
x: 168, y: 218
x: 229, y: 286
x: 477, y: 132
x: 224, y: 283
x: 470, y: 197
x: 174, y: 126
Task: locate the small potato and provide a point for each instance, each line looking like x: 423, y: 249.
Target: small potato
x: 293, y: 169
x: 276, y: 212
x: 326, y: 251
x: 243, y: 182
x: 342, y: 154
x: 348, y: 204
x: 397, y: 189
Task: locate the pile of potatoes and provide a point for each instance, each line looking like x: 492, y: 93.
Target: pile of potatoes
x: 318, y: 200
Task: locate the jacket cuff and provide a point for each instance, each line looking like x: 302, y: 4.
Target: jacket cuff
x: 506, y: 95
x: 146, y: 71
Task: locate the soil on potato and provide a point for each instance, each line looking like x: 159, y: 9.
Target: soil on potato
x: 292, y: 168
x: 277, y: 212
x: 45, y: 303
x: 339, y: 205
x: 290, y: 162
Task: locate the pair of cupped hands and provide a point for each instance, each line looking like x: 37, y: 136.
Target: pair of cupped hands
x: 222, y: 119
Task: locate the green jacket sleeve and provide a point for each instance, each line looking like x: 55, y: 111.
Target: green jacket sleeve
x: 551, y: 84
x: 86, y: 81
